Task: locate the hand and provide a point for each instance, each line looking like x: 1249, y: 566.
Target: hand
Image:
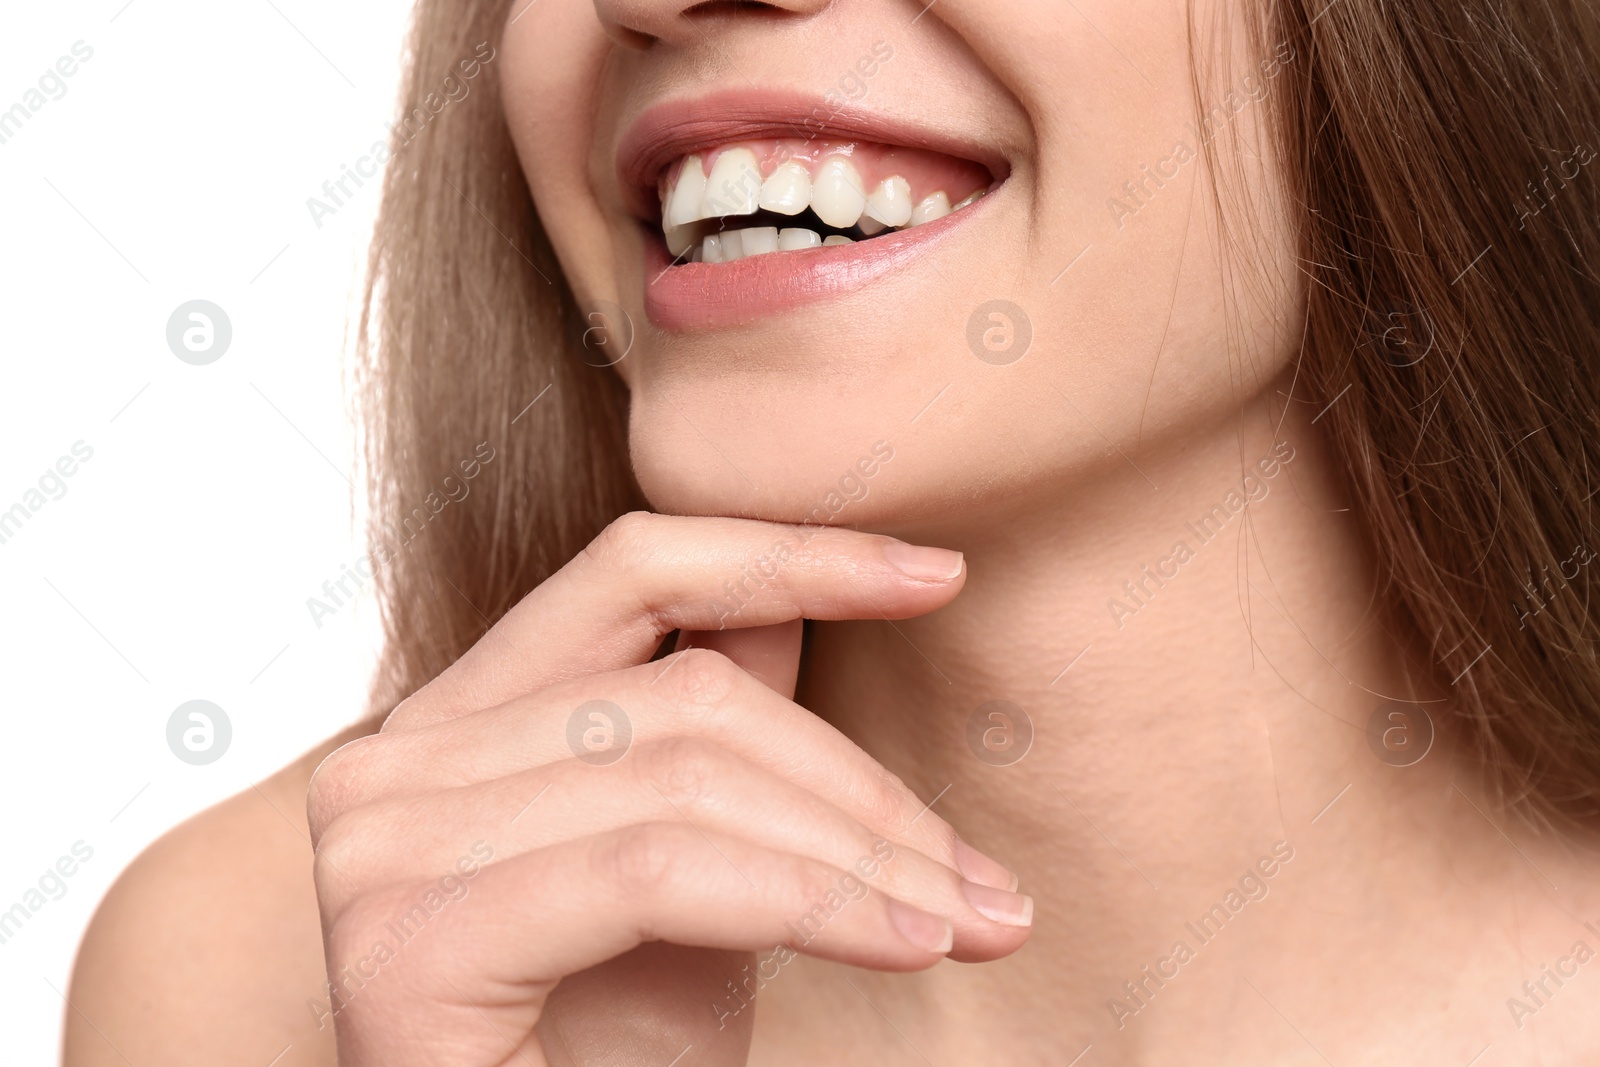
x: 468, y: 860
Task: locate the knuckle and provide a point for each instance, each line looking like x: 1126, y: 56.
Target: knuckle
x: 336, y: 857
x: 814, y: 884
x: 639, y: 860
x: 403, y: 713
x: 626, y: 541
x: 340, y: 848
x: 337, y: 783
x: 885, y: 800
x: 351, y: 933
x: 685, y: 769
x: 702, y: 679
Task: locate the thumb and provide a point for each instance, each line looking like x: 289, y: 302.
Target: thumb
x: 770, y: 653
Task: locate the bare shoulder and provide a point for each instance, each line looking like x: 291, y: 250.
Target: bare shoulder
x: 208, y: 949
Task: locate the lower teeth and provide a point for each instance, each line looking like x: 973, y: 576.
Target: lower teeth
x: 731, y: 245
x: 728, y: 246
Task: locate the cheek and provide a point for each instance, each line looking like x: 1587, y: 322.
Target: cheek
x: 1121, y: 268
x: 556, y: 52
x: 549, y: 63
x: 1160, y: 307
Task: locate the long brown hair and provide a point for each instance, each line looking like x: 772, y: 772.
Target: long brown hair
x: 466, y: 322
x: 1438, y: 152
x: 1437, y: 156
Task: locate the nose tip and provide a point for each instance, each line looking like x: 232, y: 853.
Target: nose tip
x: 641, y: 23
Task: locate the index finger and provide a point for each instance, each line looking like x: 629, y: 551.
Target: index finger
x: 647, y: 575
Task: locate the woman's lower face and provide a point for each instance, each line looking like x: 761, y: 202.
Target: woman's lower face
x: 982, y: 232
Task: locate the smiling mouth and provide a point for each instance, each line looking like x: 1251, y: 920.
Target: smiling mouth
x: 762, y: 197
x: 745, y: 217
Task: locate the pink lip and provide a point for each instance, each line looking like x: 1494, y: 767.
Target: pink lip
x: 705, y: 295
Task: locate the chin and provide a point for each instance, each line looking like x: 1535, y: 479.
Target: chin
x: 700, y: 454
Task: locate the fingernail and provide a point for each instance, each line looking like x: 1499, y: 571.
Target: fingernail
x: 1007, y: 909
x: 923, y: 563
x: 928, y: 932
x: 976, y: 867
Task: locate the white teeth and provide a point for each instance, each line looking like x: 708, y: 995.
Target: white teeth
x: 731, y: 245
x: 679, y: 239
x: 890, y: 202
x: 836, y: 194
x: 794, y: 239
x: 759, y: 239
x: 933, y: 207
x: 788, y: 191
x: 733, y: 185
x: 683, y: 203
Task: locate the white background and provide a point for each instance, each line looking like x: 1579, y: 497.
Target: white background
x: 178, y: 563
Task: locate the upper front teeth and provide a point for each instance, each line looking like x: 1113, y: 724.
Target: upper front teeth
x: 831, y: 187
x: 732, y: 186
x: 788, y: 191
x: 836, y: 194
x: 683, y: 202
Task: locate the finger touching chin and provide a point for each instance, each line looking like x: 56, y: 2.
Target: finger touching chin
x: 677, y: 997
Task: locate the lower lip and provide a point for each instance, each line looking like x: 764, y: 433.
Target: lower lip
x: 694, y: 296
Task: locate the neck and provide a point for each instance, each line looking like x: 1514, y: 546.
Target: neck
x: 1197, y: 657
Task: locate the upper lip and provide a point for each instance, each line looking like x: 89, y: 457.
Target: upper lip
x: 676, y: 128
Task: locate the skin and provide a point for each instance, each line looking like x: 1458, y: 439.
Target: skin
x: 1174, y: 745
